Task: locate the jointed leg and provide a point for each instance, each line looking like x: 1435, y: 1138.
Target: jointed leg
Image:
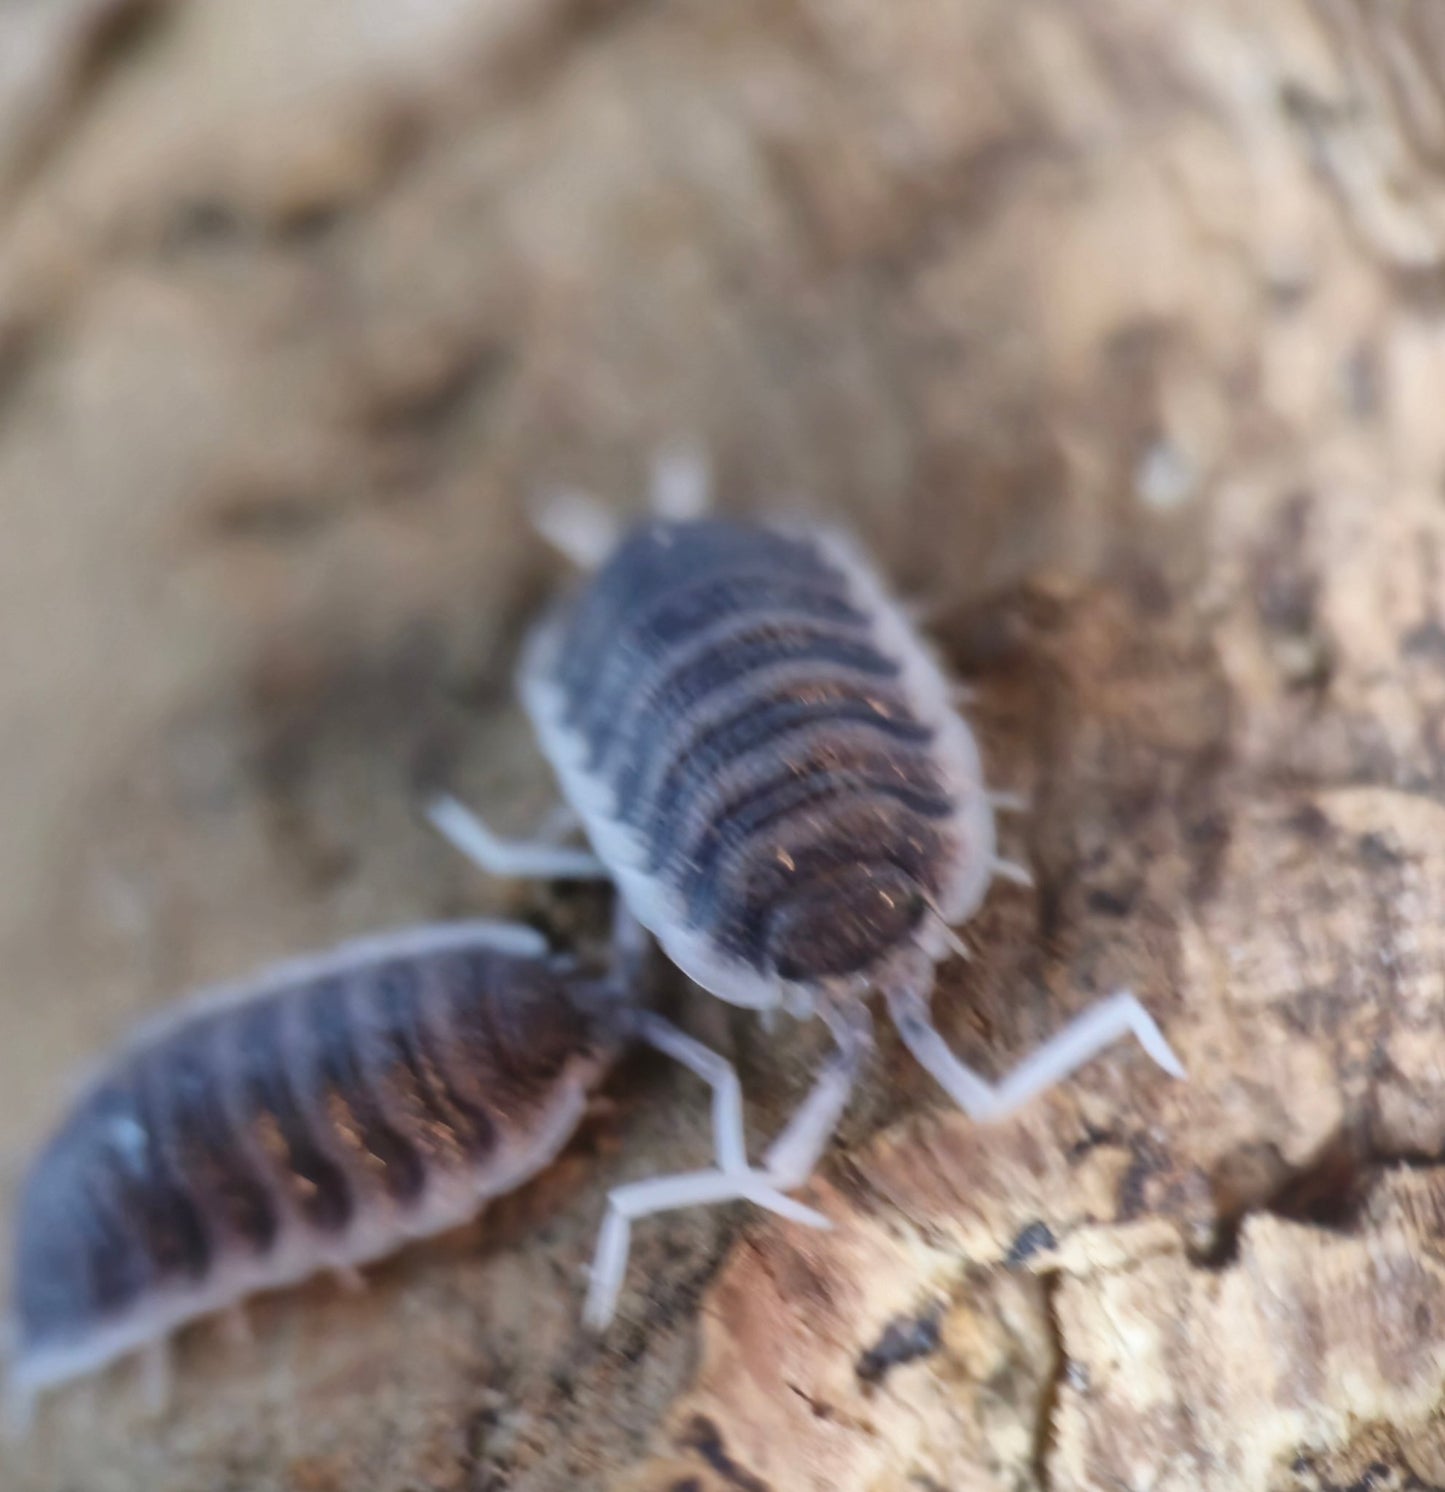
x: 1088, y: 1034
x: 514, y: 859
x: 631, y: 948
x: 789, y: 1162
x: 1011, y: 870
x: 793, y: 1156
x: 1008, y: 802
x: 729, y: 1137
x: 666, y: 1194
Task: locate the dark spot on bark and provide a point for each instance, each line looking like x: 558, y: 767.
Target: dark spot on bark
x: 1421, y: 287
x: 1112, y: 903
x: 1034, y: 1239
x: 1150, y: 593
x: 427, y: 406
x: 1362, y: 381
x: 1091, y: 1140
x: 1148, y: 1163
x: 904, y: 1340
x: 1286, y: 594
x: 703, y: 1436
x: 1377, y: 851
x: 202, y: 222
x: 1327, y: 1193
x: 1207, y: 834
x: 276, y: 519
x: 1425, y: 641
x: 1284, y: 589
x: 1310, y: 822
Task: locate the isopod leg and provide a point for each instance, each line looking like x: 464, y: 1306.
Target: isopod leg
x: 631, y: 947
x: 729, y: 1137
x: 641, y: 1199
x: 1006, y: 802
x: 514, y: 859
x: 681, y: 484
x: 577, y: 525
x: 792, y: 1158
x: 1088, y: 1034
x: 1011, y: 870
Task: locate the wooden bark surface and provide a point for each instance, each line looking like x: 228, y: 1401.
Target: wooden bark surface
x: 1117, y: 329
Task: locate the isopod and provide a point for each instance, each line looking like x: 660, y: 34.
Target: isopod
x: 313, y: 1118
x: 768, y: 761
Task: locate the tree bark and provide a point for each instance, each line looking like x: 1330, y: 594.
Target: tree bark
x: 1115, y: 329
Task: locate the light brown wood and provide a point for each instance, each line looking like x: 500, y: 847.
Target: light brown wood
x: 1116, y: 329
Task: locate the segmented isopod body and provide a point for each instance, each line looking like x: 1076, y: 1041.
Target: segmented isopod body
x: 765, y: 756
x: 767, y: 760
x: 314, y: 1118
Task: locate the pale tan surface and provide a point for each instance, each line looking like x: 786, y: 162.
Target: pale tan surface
x: 1116, y: 328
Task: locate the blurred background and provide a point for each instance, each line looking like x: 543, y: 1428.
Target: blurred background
x: 1116, y: 329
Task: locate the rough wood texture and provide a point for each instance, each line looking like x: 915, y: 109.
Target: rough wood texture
x: 1117, y: 328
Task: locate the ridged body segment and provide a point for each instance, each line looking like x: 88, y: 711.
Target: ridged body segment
x: 763, y: 752
x: 318, y: 1121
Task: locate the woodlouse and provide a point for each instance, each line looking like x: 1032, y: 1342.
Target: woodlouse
x: 768, y: 762
x: 315, y: 1117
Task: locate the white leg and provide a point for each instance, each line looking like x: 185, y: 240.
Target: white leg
x: 1088, y: 1034
x: 513, y: 859
x: 955, y: 940
x: 155, y: 1371
x: 729, y: 1137
x: 790, y: 1160
x: 631, y: 946
x: 666, y: 1194
x: 681, y: 484
x: 577, y: 525
x: 794, y: 1155
x: 1003, y: 802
